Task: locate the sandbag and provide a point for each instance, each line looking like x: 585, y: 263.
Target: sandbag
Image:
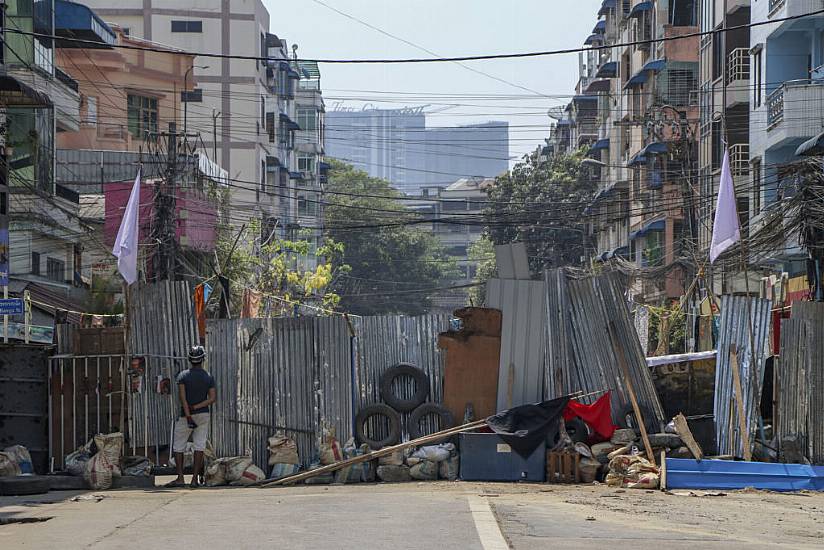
x: 8, y: 466
x: 99, y: 472
x: 137, y: 466
x: 227, y: 470
x: 282, y: 450
x: 394, y: 474
x: 426, y: 470
x: 330, y: 450
x: 633, y: 472
x: 622, y: 437
x: 75, y: 463
x: 450, y: 468
x: 395, y: 459
x: 283, y: 470
x: 251, y: 475
x: 21, y: 456
x: 111, y: 446
x: 434, y: 453
x: 588, y: 469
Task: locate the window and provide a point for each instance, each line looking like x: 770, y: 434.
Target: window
x: 307, y: 118
x: 756, y: 186
x: 718, y: 60
x: 683, y: 13
x: 91, y: 110
x: 306, y: 163
x: 262, y: 111
x: 270, y: 126
x: 194, y: 96
x: 4, y: 203
x: 55, y: 270
x: 758, y: 84
x: 263, y: 52
x: 142, y: 115
x: 187, y: 26
x: 35, y: 263
x: 127, y: 31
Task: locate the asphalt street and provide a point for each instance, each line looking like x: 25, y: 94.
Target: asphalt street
x: 418, y: 516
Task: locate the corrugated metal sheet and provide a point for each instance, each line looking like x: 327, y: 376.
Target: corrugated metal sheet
x: 746, y: 324
x: 813, y: 311
x: 162, y: 327
x: 523, y: 347
x: 730, y: 475
x: 800, y: 386
x: 584, y: 317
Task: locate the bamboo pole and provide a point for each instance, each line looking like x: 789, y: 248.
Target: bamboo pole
x: 739, y: 403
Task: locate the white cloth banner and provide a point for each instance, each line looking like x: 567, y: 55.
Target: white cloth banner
x: 726, y: 229
x: 125, y: 245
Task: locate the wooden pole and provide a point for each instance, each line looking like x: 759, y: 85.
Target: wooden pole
x: 739, y: 403
x: 386, y: 451
x: 686, y: 436
x: 622, y: 362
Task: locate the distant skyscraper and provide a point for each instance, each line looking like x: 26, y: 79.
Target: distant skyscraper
x: 396, y: 145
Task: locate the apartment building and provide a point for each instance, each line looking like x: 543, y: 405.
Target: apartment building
x: 635, y: 109
x: 228, y: 108
x: 310, y: 141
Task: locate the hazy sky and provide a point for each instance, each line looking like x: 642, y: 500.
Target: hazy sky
x: 448, y: 28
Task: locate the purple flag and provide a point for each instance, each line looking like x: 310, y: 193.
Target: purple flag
x: 125, y: 245
x: 725, y: 230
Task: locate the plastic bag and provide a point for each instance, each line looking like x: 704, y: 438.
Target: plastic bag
x: 137, y: 466
x: 21, y: 455
x: 282, y: 450
x: 434, y: 453
x: 283, y: 470
x: 450, y: 468
x: 252, y: 474
x: 8, y: 466
x: 99, y: 472
x: 111, y: 446
x: 75, y: 463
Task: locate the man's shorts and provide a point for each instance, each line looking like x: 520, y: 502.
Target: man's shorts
x: 183, y: 431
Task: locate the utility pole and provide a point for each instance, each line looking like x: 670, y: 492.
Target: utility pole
x: 215, y: 114
x: 165, y: 231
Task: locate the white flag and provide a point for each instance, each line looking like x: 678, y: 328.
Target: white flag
x: 125, y: 245
x: 725, y: 230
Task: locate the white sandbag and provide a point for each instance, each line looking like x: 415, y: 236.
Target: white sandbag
x: 427, y: 470
x: 8, y: 466
x: 330, y: 449
x: 283, y: 470
x: 111, y: 446
x: 395, y: 459
x: 251, y: 475
x: 434, y: 453
x: 99, y: 472
x: 394, y: 474
x: 282, y: 450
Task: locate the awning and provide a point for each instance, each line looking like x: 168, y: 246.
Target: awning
x: 638, y: 9
x: 599, y: 85
x: 602, y: 257
x: 593, y: 39
x: 600, y: 144
x: 583, y: 98
x: 73, y: 20
x: 655, y: 148
x: 813, y: 147
x: 324, y: 166
x: 637, y: 159
x: 14, y: 92
x: 290, y: 124
x: 606, y: 5
x: 607, y: 70
x: 293, y: 73
x: 563, y: 122
x: 600, y: 27
x: 296, y: 175
x: 637, y: 79
x: 655, y: 65
x: 657, y: 225
x: 272, y: 162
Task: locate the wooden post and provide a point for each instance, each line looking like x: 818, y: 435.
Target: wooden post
x: 739, y: 402
x: 27, y: 315
x: 622, y: 362
x: 686, y: 436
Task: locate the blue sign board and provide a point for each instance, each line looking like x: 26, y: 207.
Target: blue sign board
x: 11, y: 306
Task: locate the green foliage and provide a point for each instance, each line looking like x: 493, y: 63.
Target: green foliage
x: 541, y: 204
x: 274, y: 267
x: 668, y: 323
x: 482, y: 252
x: 389, y: 255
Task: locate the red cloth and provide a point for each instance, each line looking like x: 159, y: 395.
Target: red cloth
x: 598, y: 415
x: 200, y: 310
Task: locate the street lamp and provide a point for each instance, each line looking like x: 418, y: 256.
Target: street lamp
x: 186, y: 92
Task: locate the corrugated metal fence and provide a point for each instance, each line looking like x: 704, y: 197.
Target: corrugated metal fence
x: 744, y: 323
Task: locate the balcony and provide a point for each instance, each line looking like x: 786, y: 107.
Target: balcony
x: 740, y: 159
x: 738, y: 77
x: 789, y: 110
x: 779, y: 9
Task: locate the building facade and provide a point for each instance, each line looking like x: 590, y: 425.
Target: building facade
x: 396, y: 145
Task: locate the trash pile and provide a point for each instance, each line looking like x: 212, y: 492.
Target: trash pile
x: 424, y: 464
x: 15, y: 461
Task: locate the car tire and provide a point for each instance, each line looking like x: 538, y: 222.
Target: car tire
x: 378, y: 409
x: 413, y: 424
x: 23, y: 485
x: 421, y: 381
x: 626, y: 419
x: 576, y: 429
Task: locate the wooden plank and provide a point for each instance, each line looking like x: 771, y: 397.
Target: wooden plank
x: 622, y: 362
x: 663, y: 479
x: 739, y: 402
x: 683, y: 429
x: 386, y: 451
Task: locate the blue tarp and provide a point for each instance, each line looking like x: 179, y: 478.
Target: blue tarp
x: 729, y: 475
x: 78, y: 21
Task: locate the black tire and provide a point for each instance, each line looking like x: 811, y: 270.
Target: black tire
x: 576, y: 429
x: 413, y: 425
x: 378, y: 409
x: 627, y: 419
x: 420, y: 379
x: 23, y: 485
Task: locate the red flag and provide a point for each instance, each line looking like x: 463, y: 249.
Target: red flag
x: 598, y: 416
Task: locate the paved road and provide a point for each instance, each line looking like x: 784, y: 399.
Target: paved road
x: 419, y: 516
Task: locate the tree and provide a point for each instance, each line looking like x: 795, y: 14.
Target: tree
x: 270, y: 267
x: 541, y: 203
x: 482, y: 252
x: 391, y: 254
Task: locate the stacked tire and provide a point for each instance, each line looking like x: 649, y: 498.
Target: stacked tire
x: 394, y: 407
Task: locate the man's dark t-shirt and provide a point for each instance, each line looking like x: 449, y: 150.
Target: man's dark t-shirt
x: 197, y: 382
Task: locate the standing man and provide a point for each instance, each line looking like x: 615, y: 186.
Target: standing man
x: 196, y: 391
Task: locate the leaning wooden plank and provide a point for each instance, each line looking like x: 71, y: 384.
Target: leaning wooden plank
x: 686, y: 436
x: 425, y: 440
x: 739, y: 402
